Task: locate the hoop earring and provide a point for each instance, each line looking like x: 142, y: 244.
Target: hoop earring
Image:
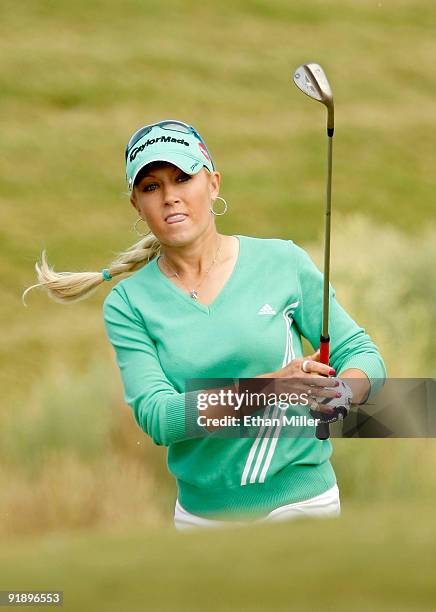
x: 218, y: 214
x: 135, y: 228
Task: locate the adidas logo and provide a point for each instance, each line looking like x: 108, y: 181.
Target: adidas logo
x: 266, y: 310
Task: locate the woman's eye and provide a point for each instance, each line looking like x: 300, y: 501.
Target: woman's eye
x: 185, y: 177
x: 147, y: 187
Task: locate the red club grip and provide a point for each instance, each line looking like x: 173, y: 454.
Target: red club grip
x: 324, y: 348
x: 323, y: 429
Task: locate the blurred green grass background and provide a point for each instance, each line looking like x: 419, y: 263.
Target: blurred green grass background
x: 76, y: 79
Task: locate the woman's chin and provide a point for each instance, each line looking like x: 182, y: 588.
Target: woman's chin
x: 177, y: 238
x: 179, y: 235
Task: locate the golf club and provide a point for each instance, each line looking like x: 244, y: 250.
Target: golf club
x: 312, y: 81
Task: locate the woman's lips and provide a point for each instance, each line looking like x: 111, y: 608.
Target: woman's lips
x: 178, y: 218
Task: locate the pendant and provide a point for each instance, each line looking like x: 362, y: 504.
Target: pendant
x: 194, y: 294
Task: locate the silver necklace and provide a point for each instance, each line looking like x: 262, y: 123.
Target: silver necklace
x: 194, y: 292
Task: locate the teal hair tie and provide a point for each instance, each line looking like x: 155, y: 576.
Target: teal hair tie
x: 106, y: 274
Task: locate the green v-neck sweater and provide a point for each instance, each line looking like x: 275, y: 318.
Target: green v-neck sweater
x: 163, y: 338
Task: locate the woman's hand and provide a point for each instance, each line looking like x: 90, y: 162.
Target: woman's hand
x: 313, y: 381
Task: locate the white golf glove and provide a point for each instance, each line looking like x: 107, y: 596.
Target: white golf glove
x: 341, y: 405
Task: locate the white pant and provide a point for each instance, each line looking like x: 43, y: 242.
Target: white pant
x: 325, y: 505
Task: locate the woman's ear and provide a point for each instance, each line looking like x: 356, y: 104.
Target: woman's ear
x: 214, y: 184
x: 133, y: 200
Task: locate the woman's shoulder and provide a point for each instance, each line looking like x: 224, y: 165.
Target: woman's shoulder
x: 280, y: 246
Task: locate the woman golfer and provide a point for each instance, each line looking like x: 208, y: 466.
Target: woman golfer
x: 198, y: 304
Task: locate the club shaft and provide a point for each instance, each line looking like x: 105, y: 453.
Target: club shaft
x: 328, y: 207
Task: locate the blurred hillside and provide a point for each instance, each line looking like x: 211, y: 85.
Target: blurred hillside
x: 76, y: 80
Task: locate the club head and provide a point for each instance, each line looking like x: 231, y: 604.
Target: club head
x: 312, y: 81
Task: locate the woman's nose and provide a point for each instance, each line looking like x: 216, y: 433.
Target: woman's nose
x: 171, y: 194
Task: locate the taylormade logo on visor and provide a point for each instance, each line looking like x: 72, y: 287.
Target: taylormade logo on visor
x: 134, y: 152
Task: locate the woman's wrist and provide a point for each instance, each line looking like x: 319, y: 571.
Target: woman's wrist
x: 359, y: 383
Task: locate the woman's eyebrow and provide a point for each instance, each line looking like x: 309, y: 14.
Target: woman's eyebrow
x: 146, y: 176
x: 154, y: 176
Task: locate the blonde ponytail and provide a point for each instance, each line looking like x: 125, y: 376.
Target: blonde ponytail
x: 74, y: 286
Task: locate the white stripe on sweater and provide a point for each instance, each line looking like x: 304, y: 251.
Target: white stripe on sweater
x: 264, y: 434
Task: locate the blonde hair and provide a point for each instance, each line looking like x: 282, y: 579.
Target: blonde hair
x: 74, y: 286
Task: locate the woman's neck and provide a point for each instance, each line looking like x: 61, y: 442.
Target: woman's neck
x: 193, y: 260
